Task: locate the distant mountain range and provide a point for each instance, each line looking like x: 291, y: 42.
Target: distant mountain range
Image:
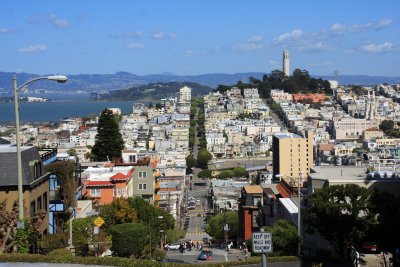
x: 125, y: 80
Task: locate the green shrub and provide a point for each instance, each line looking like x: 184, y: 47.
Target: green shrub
x: 158, y: 254
x: 54, y: 241
x: 129, y: 239
x: 58, y: 252
x: 116, y: 261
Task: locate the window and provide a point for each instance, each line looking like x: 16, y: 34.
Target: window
x: 256, y: 200
x: 132, y: 158
x: 95, y: 192
x: 118, y: 192
x: 142, y: 186
x: 39, y: 203
x: 123, y: 191
x: 45, y: 201
x: 33, y: 209
x: 142, y: 175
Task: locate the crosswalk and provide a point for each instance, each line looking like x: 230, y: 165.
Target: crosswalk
x: 196, y: 233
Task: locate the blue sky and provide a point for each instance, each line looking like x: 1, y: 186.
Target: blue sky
x: 196, y: 37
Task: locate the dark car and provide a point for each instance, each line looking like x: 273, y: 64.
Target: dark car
x: 204, y: 254
x: 370, y: 247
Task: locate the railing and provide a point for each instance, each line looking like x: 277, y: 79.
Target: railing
x: 48, y: 156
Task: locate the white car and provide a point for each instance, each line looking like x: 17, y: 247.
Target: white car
x: 174, y: 246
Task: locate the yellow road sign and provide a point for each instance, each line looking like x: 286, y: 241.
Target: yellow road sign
x: 98, y: 221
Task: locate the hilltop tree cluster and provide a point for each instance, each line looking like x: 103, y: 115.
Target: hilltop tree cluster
x: 299, y: 82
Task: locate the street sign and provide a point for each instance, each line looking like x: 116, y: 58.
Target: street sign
x: 262, y: 242
x: 98, y: 221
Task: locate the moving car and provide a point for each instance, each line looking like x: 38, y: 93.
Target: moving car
x: 174, y: 246
x: 204, y: 254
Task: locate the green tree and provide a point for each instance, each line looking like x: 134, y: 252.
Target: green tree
x: 119, y: 211
x: 386, y: 125
x: 129, y: 239
x: 341, y: 213
x: 173, y: 235
x: 226, y: 174
x: 387, y: 209
x: 148, y: 213
x: 205, y: 174
x: 108, y: 139
x: 65, y: 173
x: 239, y: 172
x: 203, y: 157
x: 284, y: 237
x: 13, y: 239
x: 215, y: 226
x: 71, y: 152
x: 191, y: 161
x: 82, y: 231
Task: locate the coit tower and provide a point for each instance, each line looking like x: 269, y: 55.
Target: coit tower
x: 285, y: 69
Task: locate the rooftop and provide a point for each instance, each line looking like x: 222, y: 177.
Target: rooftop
x: 253, y: 189
x: 287, y: 135
x: 339, y: 173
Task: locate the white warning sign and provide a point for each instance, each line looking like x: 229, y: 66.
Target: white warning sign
x: 262, y: 242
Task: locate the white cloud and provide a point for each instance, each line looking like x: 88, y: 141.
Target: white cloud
x: 6, y: 30
x: 135, y: 46
x: 192, y: 53
x: 159, y: 35
x: 377, y: 48
x: 289, y: 36
x: 342, y: 29
x: 321, y: 64
x: 33, y: 49
x: 383, y: 23
x: 255, y: 38
x: 136, y: 34
x: 313, y: 47
x: 248, y: 47
x: 58, y: 22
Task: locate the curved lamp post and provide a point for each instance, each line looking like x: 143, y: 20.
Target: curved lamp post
x: 57, y: 78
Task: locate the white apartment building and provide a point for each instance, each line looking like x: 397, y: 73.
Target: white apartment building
x: 185, y: 94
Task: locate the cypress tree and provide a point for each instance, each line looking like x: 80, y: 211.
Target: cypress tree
x: 108, y: 139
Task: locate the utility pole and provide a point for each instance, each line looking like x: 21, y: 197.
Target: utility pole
x: 225, y: 229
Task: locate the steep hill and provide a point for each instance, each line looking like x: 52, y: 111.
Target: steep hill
x: 157, y: 91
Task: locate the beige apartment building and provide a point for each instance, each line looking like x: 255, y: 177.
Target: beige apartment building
x: 292, y: 155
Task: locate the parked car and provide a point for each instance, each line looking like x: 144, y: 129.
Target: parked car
x: 204, y: 254
x: 370, y: 247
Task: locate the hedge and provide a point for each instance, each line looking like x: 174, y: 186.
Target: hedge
x: 117, y: 261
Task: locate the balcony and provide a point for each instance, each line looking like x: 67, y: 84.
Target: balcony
x: 48, y: 155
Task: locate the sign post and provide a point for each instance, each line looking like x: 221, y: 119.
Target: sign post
x: 262, y: 243
x: 98, y: 222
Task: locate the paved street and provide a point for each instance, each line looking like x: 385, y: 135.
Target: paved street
x: 197, y: 227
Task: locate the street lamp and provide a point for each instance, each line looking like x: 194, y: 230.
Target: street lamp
x: 57, y: 78
x: 71, y: 211
x: 162, y: 232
